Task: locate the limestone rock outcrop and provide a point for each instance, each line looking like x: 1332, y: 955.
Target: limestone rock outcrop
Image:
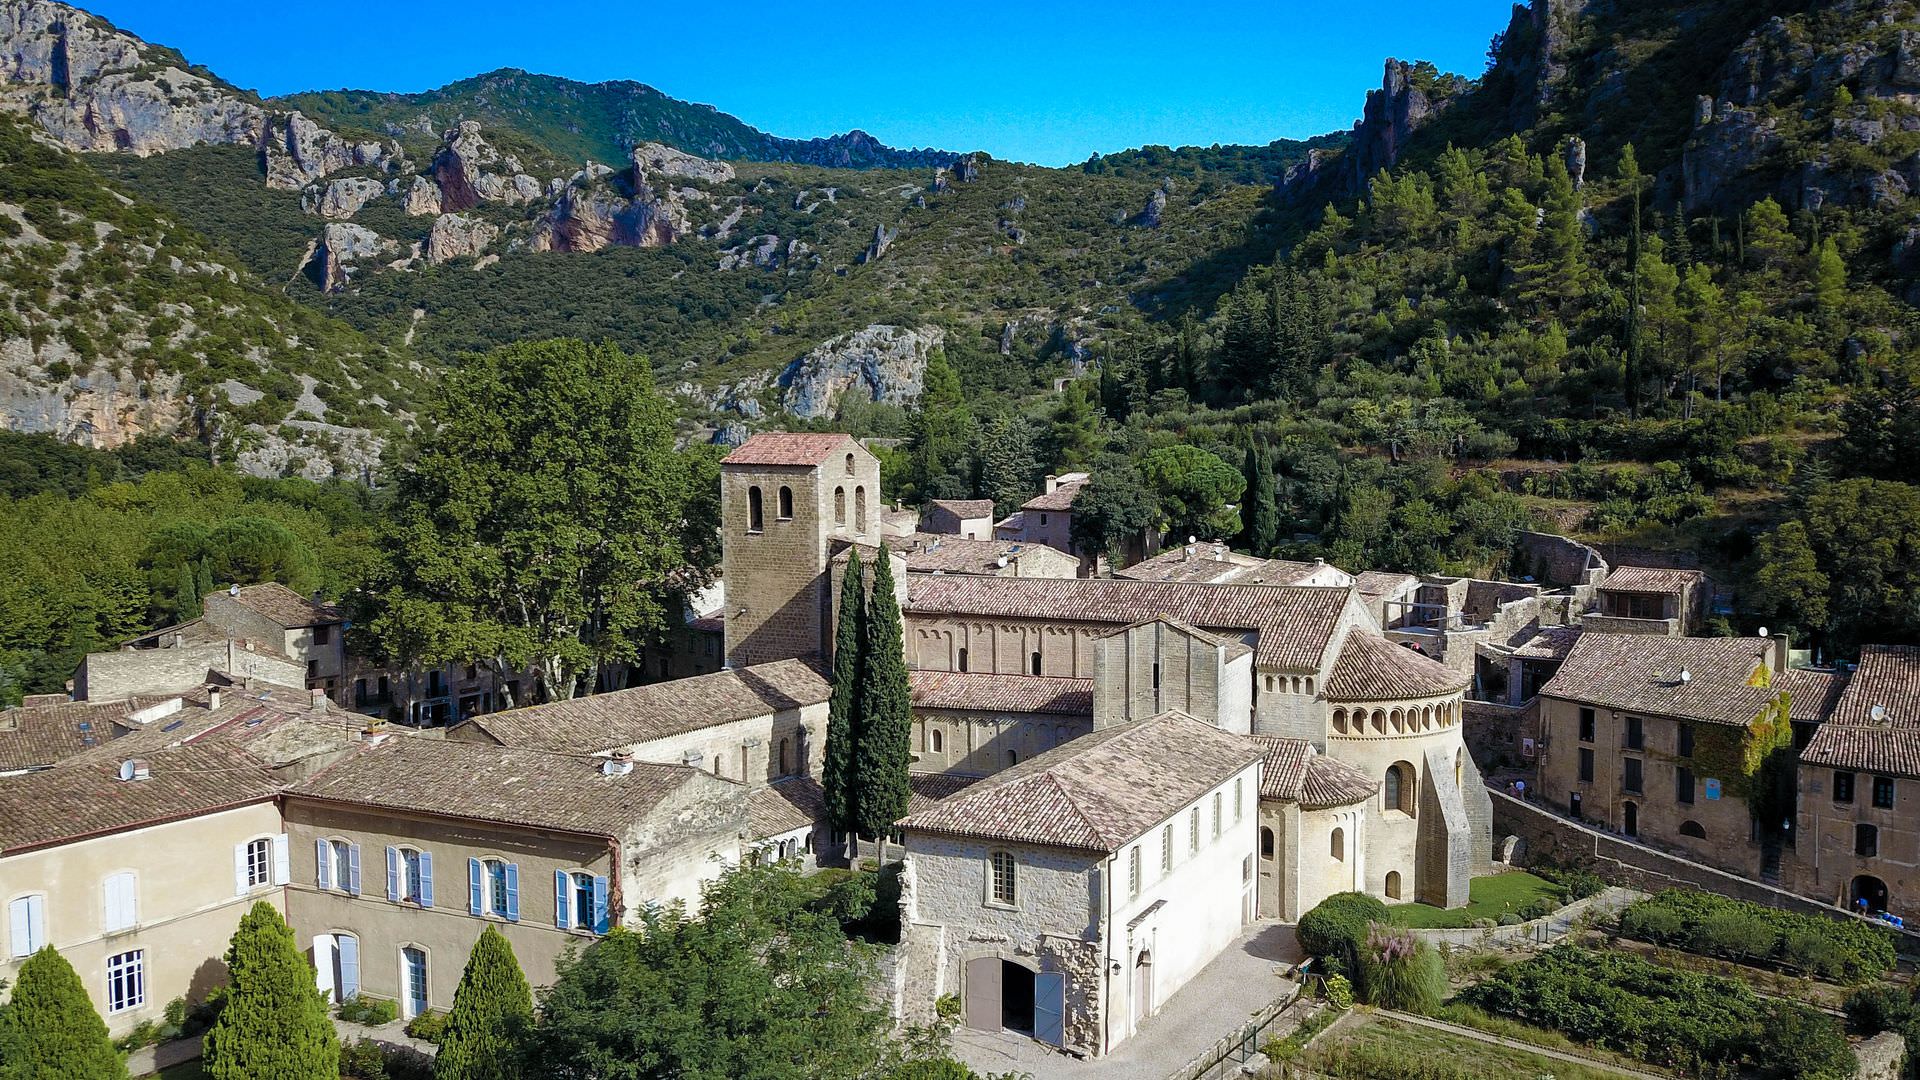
x: 295, y: 151
x: 341, y: 198
x: 654, y: 159
x: 883, y: 239
x: 422, y: 198
x: 470, y: 170
x: 342, y: 246
x: 92, y: 87
x: 881, y: 362
x: 1156, y: 208
x: 457, y: 236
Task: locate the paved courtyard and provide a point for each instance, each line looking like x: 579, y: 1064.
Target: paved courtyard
x: 1215, y: 1003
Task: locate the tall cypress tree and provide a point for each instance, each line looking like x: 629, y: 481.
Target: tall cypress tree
x: 492, y: 1007
x: 885, y: 746
x: 1263, y: 505
x: 843, y: 710
x: 275, y: 1024
x: 50, y: 1031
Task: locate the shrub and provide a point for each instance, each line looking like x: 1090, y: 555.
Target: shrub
x: 365, y: 1059
x: 1398, y: 970
x: 1844, y: 950
x: 1339, y: 992
x: 275, y: 1021
x: 1698, y: 1025
x: 491, y: 1009
x: 429, y: 1026
x: 1337, y: 926
x: 1874, y: 1009
x: 371, y: 1011
x: 49, y: 1027
x: 1579, y: 884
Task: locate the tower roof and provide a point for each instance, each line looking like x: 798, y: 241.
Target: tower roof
x: 787, y: 448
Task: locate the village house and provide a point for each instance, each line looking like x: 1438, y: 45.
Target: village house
x: 1071, y: 895
x: 1650, y: 600
x: 405, y: 847
x: 969, y: 519
x: 1859, y: 785
x: 928, y: 553
x: 1646, y: 735
x: 1047, y: 518
x: 1213, y: 563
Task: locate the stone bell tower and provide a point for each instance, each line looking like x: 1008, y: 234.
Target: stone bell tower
x: 787, y: 502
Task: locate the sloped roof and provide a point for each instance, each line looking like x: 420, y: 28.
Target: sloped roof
x: 35, y: 736
x: 945, y: 553
x: 1549, y: 643
x: 1061, y: 497
x: 1642, y: 673
x: 787, y: 448
x: 85, y: 797
x: 1217, y: 564
x: 284, y: 606
x: 506, y: 785
x: 275, y: 725
x: 795, y: 802
x: 1371, y: 668
x: 1813, y: 693
x: 966, y: 508
x: 1283, y: 766
x: 1331, y: 782
x: 1888, y: 676
x: 1294, y: 623
x: 1651, y: 579
x: 601, y: 722
x: 981, y: 692
x: 1097, y: 792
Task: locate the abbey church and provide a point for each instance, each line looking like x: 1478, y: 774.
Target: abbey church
x: 1148, y: 766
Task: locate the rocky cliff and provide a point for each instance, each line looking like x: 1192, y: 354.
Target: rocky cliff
x: 881, y: 363
x: 1410, y: 95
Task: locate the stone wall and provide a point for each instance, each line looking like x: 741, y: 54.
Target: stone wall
x: 1497, y: 735
x: 1145, y: 670
x: 971, y: 742
x: 113, y: 676
x: 1559, y: 562
x: 1549, y: 838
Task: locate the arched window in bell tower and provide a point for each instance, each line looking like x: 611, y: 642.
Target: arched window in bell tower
x: 756, y: 513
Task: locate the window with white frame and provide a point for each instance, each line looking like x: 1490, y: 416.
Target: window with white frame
x: 1002, y: 884
x: 120, y: 902
x: 258, y: 863
x: 27, y: 924
x: 126, y: 981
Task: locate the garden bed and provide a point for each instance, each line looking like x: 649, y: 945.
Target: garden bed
x: 1381, y: 1048
x: 1516, y: 893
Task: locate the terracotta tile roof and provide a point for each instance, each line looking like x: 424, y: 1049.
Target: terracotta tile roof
x: 601, y: 722
x: 35, y: 736
x: 1371, y: 668
x: 1294, y: 623
x: 276, y: 725
x: 1549, y: 643
x: 1013, y: 522
x: 1061, y: 497
x: 943, y: 553
x: 1888, y: 676
x: 1813, y: 693
x: 85, y: 796
x: 200, y: 632
x: 1097, y: 792
x: 1331, y: 782
x: 286, y: 607
x: 1283, y: 767
x: 1875, y: 723
x: 506, y: 785
x: 1651, y: 579
x: 1216, y: 564
x: 796, y: 802
x: 979, y: 692
x: 966, y: 508
x: 787, y: 448
x: 1642, y: 673
x: 1374, y: 584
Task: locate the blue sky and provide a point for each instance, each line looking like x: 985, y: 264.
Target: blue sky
x: 1044, y: 82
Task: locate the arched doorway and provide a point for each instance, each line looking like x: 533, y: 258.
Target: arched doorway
x: 1870, y: 889
x: 1143, y: 986
x: 1630, y: 817
x: 1016, y: 997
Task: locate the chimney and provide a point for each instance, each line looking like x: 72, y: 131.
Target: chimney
x: 1053, y: 482
x: 374, y: 730
x: 1780, y: 660
x: 618, y: 763
x: 316, y: 699
x: 213, y: 698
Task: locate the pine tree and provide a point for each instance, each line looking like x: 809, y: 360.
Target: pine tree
x: 885, y: 745
x: 274, y: 1025
x: 1008, y: 463
x: 843, y: 709
x: 492, y: 1007
x: 50, y: 1031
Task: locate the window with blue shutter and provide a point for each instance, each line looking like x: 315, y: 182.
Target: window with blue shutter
x: 476, y: 902
x: 599, y: 905
x: 513, y: 892
x: 426, y: 879
x: 562, y: 898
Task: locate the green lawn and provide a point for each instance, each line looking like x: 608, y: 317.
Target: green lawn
x: 1365, y: 1049
x: 1491, y: 897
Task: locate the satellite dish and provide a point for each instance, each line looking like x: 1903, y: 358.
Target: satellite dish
x: 1685, y: 676
x: 1763, y: 631
x: 1193, y: 539
x: 1878, y: 713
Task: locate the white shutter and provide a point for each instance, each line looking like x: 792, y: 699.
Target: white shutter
x: 19, y: 916
x: 282, y: 861
x: 239, y: 869
x: 121, y: 909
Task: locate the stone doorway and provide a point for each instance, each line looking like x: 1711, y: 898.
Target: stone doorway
x: 1016, y: 997
x: 1870, y: 889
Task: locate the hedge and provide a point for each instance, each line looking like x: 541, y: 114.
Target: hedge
x: 1333, y: 932
x: 1842, y: 950
x: 1699, y: 1025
